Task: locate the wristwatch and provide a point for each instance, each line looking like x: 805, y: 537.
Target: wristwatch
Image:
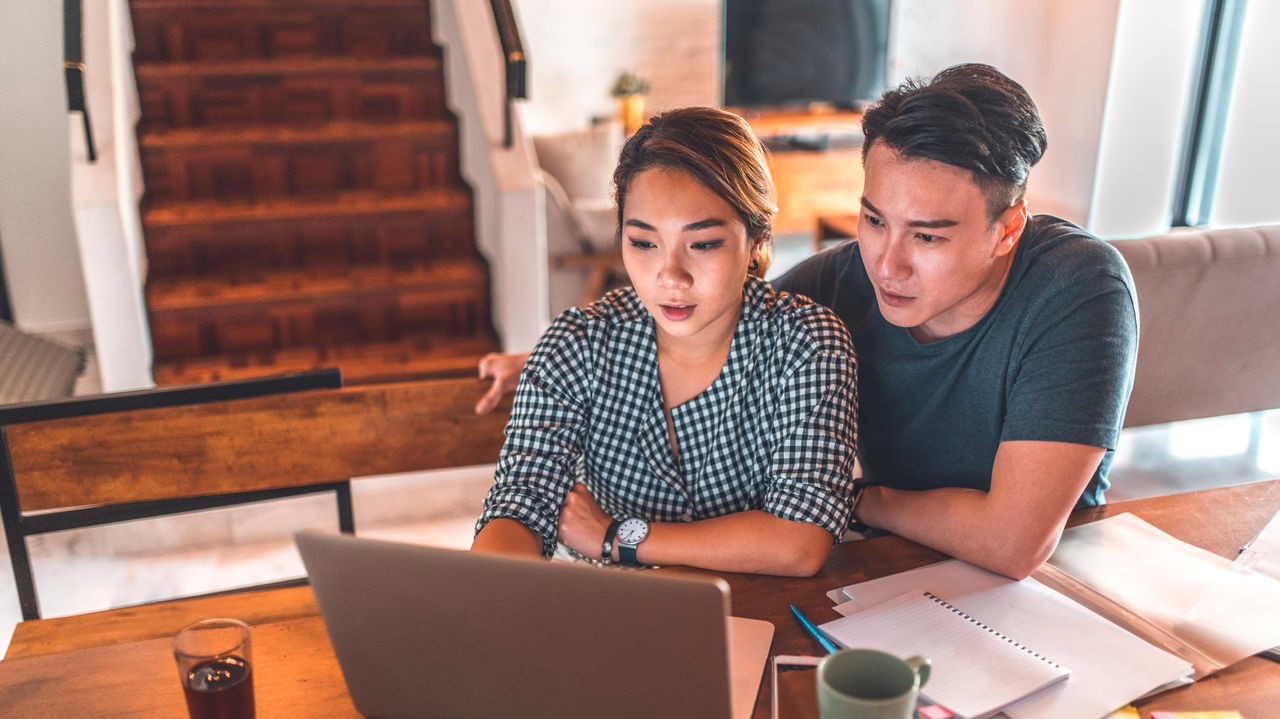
x: 631, y: 532
x: 606, y: 550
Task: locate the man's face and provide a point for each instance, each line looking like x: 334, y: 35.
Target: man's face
x: 936, y: 260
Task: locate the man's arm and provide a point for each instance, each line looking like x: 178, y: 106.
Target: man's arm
x: 505, y: 370
x: 1011, y: 529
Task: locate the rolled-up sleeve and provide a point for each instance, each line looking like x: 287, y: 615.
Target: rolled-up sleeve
x: 544, y: 436
x: 810, y: 473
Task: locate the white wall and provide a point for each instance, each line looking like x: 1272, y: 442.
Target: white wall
x: 1148, y: 99
x: 577, y: 48
x: 1059, y: 51
x: 41, y: 258
x: 105, y: 198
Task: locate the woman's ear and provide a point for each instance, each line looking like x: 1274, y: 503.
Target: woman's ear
x: 761, y: 257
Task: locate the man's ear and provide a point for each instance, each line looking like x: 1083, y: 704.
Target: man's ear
x: 1011, y: 223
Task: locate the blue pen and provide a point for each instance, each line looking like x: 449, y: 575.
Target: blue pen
x: 827, y: 644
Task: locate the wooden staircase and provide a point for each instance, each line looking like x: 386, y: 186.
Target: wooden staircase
x: 304, y: 206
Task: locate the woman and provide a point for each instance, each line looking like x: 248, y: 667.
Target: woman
x: 698, y: 417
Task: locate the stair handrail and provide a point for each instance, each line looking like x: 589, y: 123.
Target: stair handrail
x: 515, y: 62
x: 73, y: 67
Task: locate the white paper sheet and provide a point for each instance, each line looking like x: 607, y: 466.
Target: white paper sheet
x: 977, y: 669
x: 1109, y: 666
x: 1225, y: 611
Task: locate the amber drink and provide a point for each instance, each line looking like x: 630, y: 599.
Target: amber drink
x: 216, y: 669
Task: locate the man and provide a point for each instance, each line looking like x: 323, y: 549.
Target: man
x: 996, y: 348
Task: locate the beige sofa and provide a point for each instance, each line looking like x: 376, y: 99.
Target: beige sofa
x: 1209, y: 312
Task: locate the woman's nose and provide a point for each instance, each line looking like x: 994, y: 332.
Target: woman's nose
x: 674, y: 273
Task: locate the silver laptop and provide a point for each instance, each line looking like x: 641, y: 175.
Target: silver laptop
x: 420, y: 631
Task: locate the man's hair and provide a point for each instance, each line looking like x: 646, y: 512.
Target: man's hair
x: 971, y: 116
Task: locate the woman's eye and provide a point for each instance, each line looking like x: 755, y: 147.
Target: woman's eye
x: 640, y: 244
x: 708, y: 245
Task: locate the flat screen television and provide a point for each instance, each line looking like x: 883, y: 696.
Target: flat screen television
x: 790, y: 53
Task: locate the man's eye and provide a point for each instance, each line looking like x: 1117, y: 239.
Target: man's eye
x: 926, y: 238
x: 874, y: 221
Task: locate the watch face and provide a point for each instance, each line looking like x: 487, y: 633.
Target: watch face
x: 633, y: 531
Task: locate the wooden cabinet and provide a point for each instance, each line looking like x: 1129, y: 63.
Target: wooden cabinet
x: 816, y: 159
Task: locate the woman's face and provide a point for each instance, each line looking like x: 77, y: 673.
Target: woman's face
x: 686, y: 251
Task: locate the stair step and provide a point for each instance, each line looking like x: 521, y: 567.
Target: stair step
x: 419, y: 357
x: 178, y: 30
x: 286, y: 208
x: 290, y: 91
x: 337, y: 131
x: 207, y: 316
x: 446, y: 281
x: 245, y: 163
x: 347, y: 229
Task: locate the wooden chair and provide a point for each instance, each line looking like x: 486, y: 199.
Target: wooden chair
x: 111, y: 459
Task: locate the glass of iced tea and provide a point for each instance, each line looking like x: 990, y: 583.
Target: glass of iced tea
x: 216, y: 668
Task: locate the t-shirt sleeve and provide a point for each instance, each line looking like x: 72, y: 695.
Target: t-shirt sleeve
x: 1077, y: 364
x: 544, y: 436
x: 818, y: 276
x: 810, y: 474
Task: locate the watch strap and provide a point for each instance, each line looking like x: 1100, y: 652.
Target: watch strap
x: 606, y: 550
x: 627, y: 555
x: 855, y: 524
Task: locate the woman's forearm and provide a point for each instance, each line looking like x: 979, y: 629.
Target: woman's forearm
x: 507, y: 536
x: 753, y: 542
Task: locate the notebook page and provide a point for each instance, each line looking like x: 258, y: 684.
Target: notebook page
x: 1052, y: 623
x: 976, y: 671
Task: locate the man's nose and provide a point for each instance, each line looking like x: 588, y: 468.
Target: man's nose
x: 894, y: 262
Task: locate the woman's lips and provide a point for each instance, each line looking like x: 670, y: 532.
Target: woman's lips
x: 677, y: 313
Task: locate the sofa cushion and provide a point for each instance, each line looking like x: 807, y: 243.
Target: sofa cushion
x: 1209, y: 313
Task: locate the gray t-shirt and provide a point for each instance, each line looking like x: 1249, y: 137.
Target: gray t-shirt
x: 1052, y: 360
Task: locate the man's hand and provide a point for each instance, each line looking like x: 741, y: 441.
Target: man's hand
x: 504, y: 369
x: 582, y: 522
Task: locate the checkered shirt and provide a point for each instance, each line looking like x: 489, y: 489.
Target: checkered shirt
x: 775, y: 431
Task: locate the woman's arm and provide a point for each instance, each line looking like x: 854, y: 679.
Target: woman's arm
x: 754, y: 541
x: 507, y: 536
x: 543, y: 446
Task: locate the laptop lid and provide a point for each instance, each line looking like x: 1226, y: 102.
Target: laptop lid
x: 421, y: 631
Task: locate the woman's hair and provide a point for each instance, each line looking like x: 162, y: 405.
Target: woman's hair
x: 718, y: 149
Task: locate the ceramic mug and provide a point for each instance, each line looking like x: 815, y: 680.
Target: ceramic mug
x: 869, y: 684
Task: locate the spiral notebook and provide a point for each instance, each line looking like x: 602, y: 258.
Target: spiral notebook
x: 976, y: 670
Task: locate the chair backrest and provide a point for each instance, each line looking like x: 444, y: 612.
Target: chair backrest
x: 1209, y: 310
x: 171, y: 450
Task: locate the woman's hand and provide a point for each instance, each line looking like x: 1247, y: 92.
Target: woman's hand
x: 582, y: 522
x: 505, y: 370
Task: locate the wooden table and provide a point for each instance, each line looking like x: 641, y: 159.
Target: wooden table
x: 117, y: 662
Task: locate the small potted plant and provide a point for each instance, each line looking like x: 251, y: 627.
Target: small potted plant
x: 630, y: 90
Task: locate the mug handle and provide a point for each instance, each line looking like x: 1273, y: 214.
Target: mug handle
x: 920, y: 666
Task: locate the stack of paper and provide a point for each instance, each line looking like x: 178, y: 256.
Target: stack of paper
x: 1109, y: 666
x: 975, y: 669
x: 1212, y: 612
